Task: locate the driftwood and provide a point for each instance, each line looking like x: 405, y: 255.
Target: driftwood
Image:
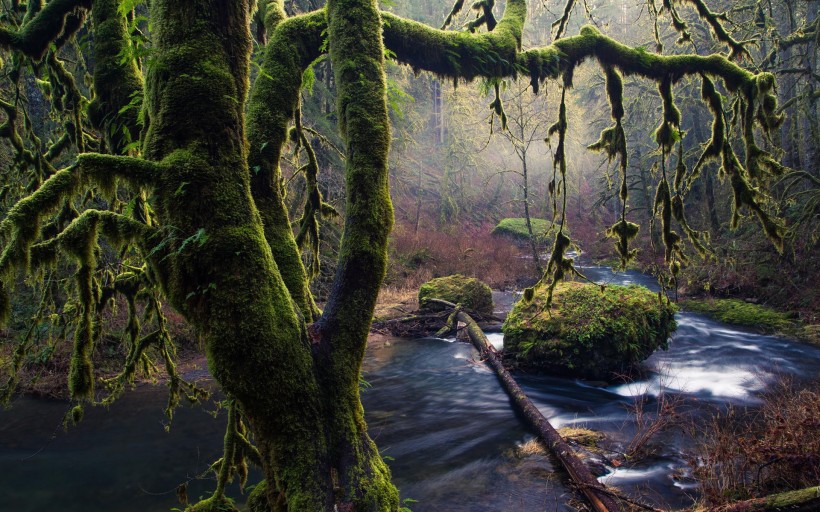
x: 600, y: 498
x: 424, y: 323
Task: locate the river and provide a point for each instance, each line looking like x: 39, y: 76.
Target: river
x: 439, y: 416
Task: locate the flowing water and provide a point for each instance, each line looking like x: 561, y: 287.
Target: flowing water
x: 440, y: 417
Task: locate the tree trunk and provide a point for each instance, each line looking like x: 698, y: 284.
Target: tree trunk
x: 522, y: 154
x: 219, y: 272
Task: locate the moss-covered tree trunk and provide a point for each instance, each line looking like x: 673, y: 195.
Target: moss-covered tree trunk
x: 340, y: 335
x: 218, y: 268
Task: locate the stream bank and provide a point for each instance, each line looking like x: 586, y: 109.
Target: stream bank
x: 452, y: 440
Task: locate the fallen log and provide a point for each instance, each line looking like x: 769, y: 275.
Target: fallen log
x: 600, y: 498
x: 423, y: 323
x: 803, y: 500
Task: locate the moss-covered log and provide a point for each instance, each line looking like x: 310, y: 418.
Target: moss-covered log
x: 803, y: 500
x: 596, y: 493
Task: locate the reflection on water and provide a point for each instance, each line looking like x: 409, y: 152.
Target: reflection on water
x: 121, y: 459
x: 437, y: 414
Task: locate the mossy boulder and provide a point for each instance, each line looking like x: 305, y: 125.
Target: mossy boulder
x: 589, y: 332
x: 471, y: 293
x: 516, y: 229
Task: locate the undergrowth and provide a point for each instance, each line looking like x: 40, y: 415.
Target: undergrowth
x: 417, y: 257
x: 749, y: 453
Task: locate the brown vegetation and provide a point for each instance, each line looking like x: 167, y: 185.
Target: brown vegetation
x: 417, y: 257
x: 746, y: 454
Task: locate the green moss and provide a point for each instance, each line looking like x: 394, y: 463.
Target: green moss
x: 738, y: 312
x: 258, y: 498
x: 293, y: 45
x: 465, y: 55
x: 582, y: 436
x: 44, y: 28
x: 589, y: 331
x: 213, y: 504
x: 471, y: 293
x: 792, y: 498
x: 117, y: 80
x: 516, y: 228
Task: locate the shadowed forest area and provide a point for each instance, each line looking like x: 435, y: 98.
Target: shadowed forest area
x: 288, y: 214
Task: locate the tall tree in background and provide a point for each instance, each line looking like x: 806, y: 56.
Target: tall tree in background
x: 173, y: 130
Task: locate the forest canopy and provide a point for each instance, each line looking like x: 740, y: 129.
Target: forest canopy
x: 143, y: 152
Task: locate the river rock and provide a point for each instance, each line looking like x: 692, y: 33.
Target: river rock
x: 471, y: 293
x: 590, y: 331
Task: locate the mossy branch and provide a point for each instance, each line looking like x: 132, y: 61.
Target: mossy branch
x: 117, y: 80
x: 22, y: 224
x: 561, y: 23
x: 43, y: 28
x: 715, y: 20
x: 459, y: 55
x: 315, y: 206
x: 293, y: 45
x: 79, y: 240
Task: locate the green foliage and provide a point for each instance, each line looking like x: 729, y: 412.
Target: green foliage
x: 471, y: 293
x: 590, y: 331
x: 738, y: 312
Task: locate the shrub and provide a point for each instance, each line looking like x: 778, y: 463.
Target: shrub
x: 751, y: 453
x: 738, y: 312
x: 417, y: 257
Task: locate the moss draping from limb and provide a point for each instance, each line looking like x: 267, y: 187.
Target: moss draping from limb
x: 22, y: 224
x: 233, y: 463
x: 22, y: 230
x: 315, y: 206
x: 40, y: 30
x: 79, y: 240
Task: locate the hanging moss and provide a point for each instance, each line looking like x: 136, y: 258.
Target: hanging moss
x: 624, y: 232
x: 668, y: 133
